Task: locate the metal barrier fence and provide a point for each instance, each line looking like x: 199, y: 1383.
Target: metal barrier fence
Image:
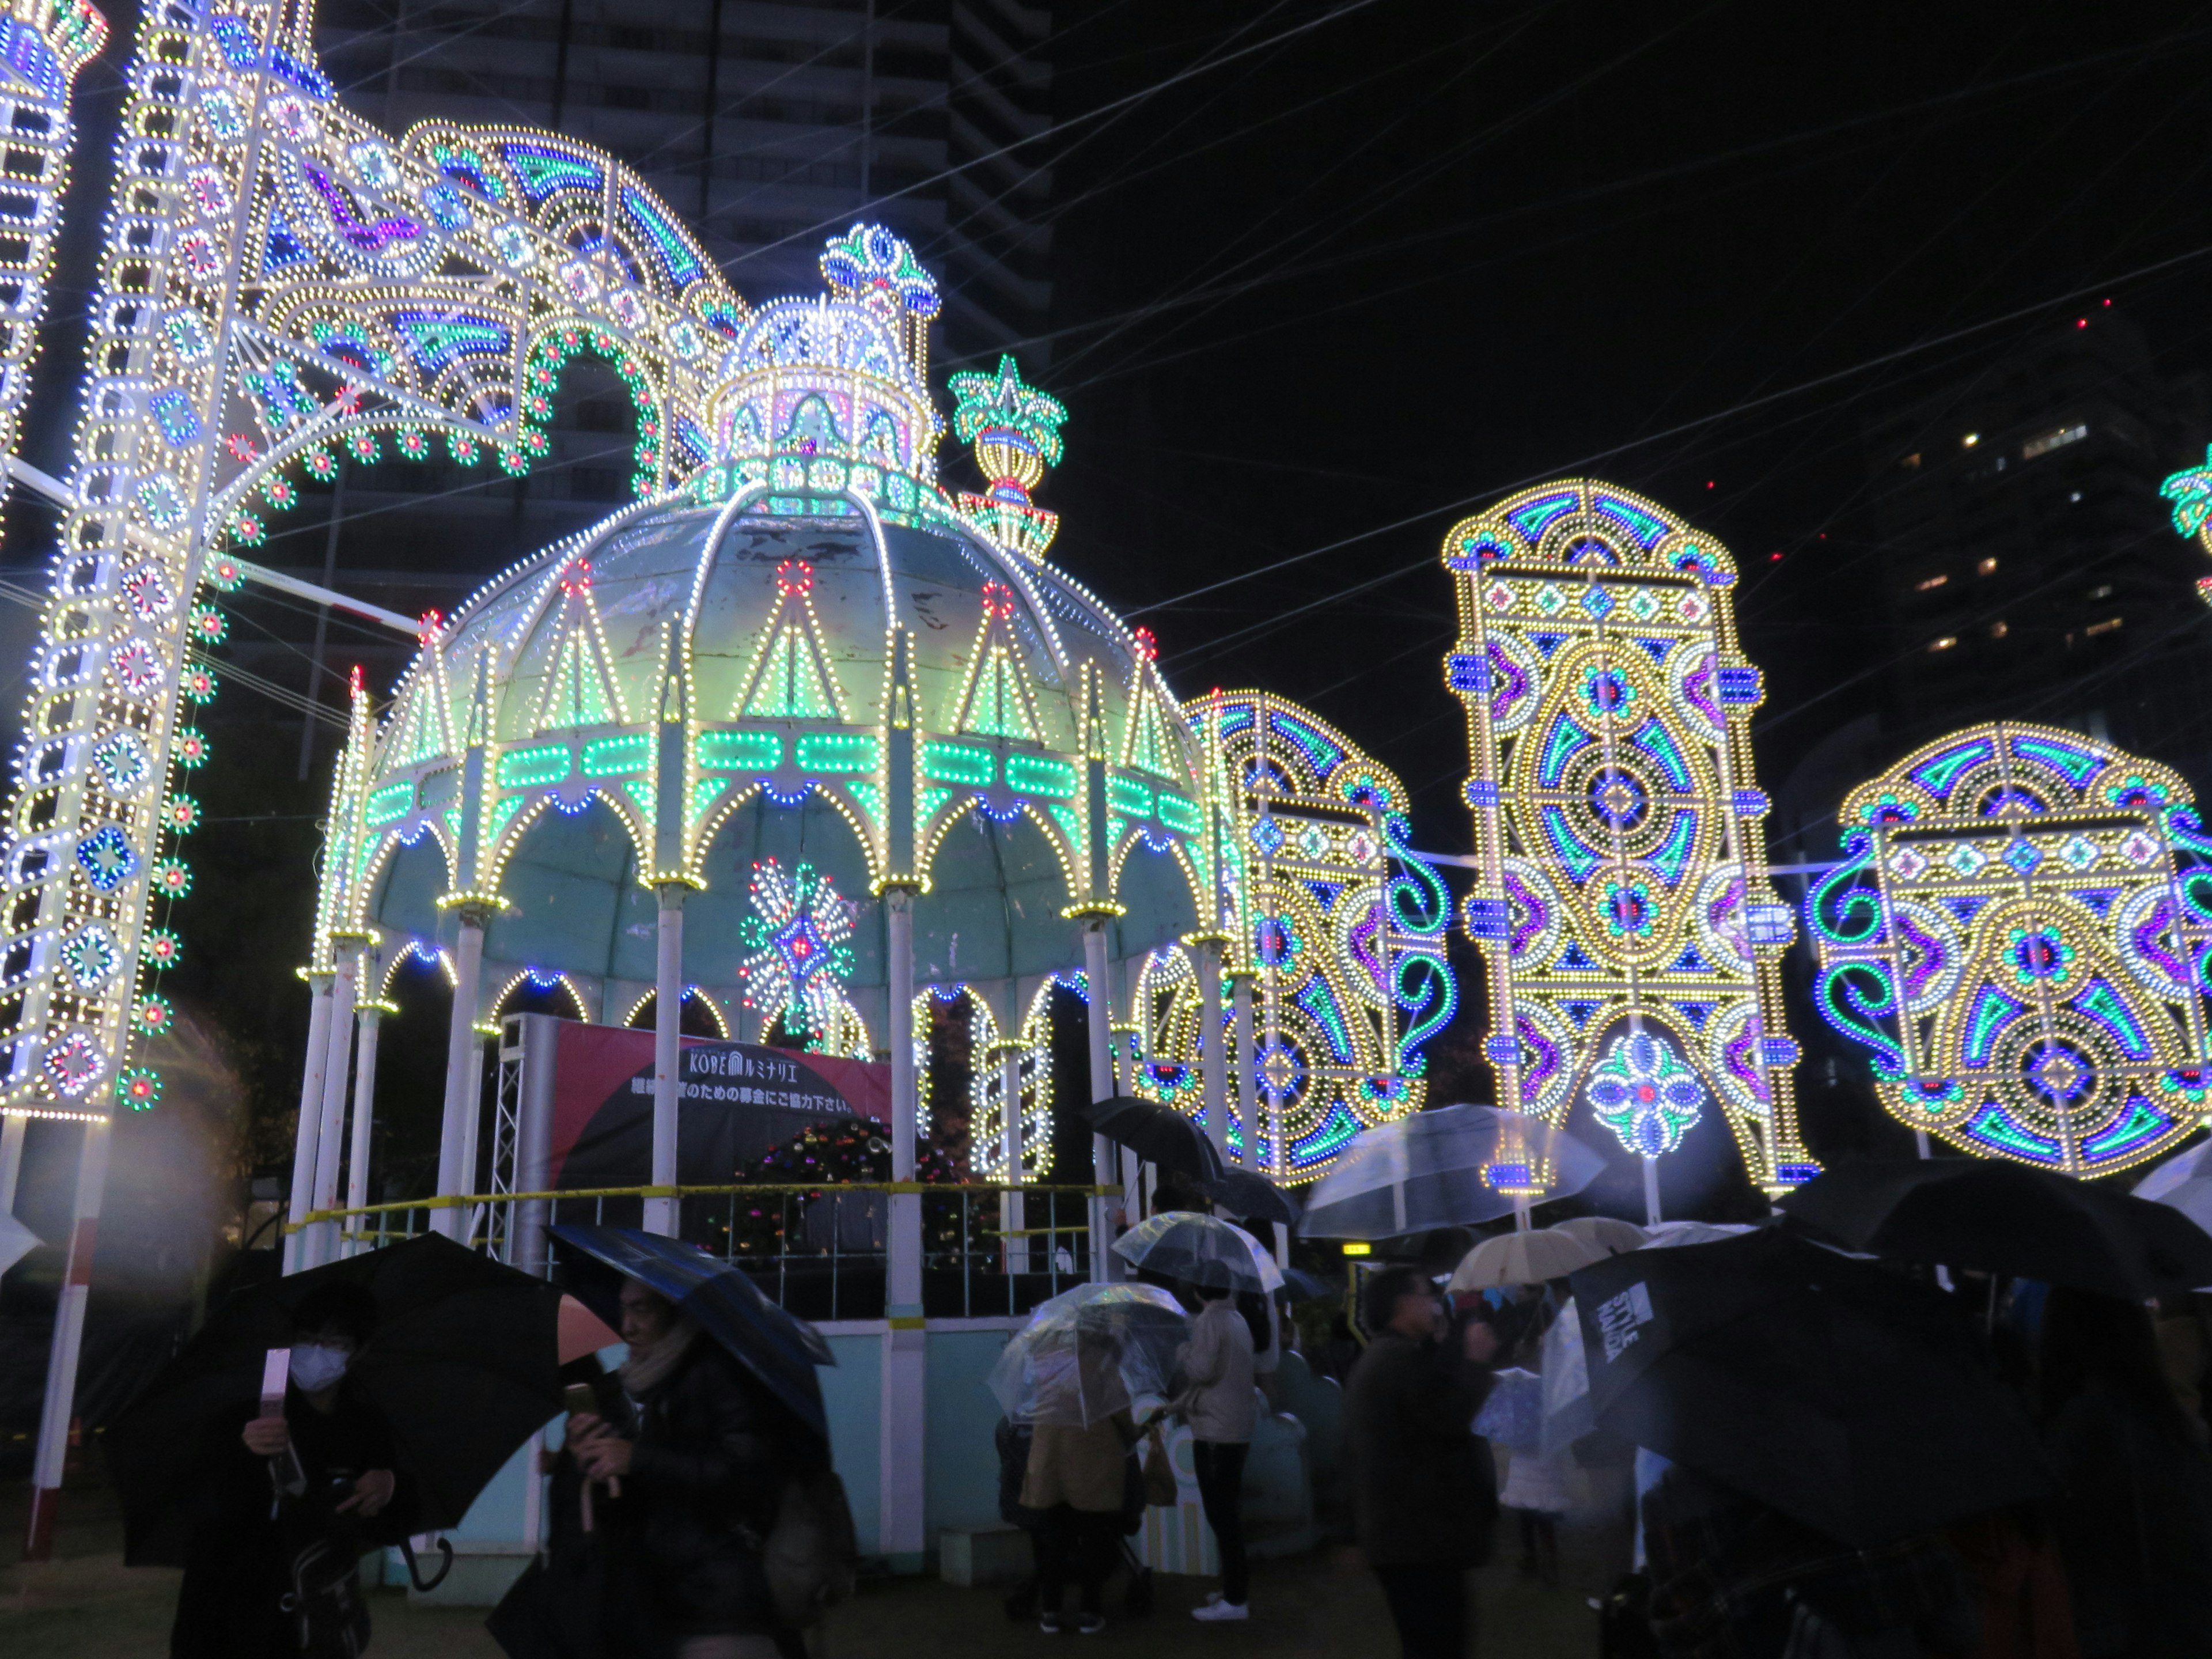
x: 821, y: 1250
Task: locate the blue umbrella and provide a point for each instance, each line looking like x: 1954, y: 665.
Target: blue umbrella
x: 724, y: 1302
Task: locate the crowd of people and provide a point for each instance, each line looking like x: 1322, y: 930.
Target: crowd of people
x: 665, y: 1491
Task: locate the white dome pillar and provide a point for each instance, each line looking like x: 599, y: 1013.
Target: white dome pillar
x: 662, y: 1210
x: 902, y: 1526
x: 311, y: 1115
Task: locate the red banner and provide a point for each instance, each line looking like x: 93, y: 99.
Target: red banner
x: 735, y: 1101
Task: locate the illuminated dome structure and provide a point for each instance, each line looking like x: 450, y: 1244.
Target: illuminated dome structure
x: 804, y: 681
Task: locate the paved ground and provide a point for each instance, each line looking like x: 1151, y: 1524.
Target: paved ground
x: 85, y: 1604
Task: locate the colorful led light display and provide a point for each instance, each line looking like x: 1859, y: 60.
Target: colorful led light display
x: 1622, y: 904
x: 2018, y: 933
x: 1341, y: 928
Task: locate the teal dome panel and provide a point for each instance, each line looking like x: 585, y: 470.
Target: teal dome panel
x: 405, y: 899
x: 574, y: 902
x: 993, y: 910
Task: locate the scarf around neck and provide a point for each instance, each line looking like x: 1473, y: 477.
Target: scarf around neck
x: 649, y: 1364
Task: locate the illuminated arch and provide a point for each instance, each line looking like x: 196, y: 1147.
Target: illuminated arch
x: 2017, y: 934
x: 542, y: 982
x: 1622, y: 873
x: 694, y: 996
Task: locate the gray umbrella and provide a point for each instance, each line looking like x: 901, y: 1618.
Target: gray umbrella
x: 1443, y: 1168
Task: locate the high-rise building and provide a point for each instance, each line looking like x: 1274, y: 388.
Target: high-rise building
x: 769, y: 128
x: 2027, y: 564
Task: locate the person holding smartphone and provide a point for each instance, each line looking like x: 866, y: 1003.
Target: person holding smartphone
x: 277, y: 1575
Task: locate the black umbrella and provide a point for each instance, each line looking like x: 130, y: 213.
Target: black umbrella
x: 720, y: 1298
x: 2005, y: 1218
x: 1844, y: 1394
x: 1158, y: 1134
x: 1243, y: 1193
x: 463, y: 1363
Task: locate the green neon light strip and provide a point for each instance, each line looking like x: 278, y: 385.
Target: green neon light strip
x: 391, y: 802
x: 740, y: 751
x: 837, y: 754
x: 965, y: 763
x: 610, y: 758
x: 1178, y: 814
x: 1039, y: 774
x: 1126, y: 794
x: 526, y: 769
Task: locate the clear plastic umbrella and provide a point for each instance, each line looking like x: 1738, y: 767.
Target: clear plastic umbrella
x: 1609, y: 1233
x: 1527, y: 1258
x: 1200, y: 1249
x: 1089, y: 1352
x: 1452, y: 1166
x: 2182, y: 1182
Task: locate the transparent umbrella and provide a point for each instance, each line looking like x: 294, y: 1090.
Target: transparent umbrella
x: 1089, y: 1352
x: 1453, y: 1166
x: 2182, y: 1182
x: 1524, y: 1258
x: 1200, y: 1249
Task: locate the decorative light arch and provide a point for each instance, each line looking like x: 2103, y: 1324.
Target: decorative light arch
x: 1623, y: 891
x: 2019, y: 935
x: 252, y: 211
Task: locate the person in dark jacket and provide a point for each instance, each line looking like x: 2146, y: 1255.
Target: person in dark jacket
x: 2134, y: 1513
x: 1424, y: 1495
x: 322, y: 1471
x: 689, y: 1500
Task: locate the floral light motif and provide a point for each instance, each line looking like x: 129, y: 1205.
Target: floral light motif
x: 2190, y: 492
x: 1643, y: 1092
x: 1015, y: 431
x: 869, y: 259
x: 800, y: 936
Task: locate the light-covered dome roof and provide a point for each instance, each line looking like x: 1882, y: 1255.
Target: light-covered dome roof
x: 808, y: 653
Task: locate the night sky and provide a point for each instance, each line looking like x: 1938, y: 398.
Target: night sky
x: 1335, y: 293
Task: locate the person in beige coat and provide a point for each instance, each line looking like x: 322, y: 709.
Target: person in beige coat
x: 1218, y: 1402
x: 1076, y: 1479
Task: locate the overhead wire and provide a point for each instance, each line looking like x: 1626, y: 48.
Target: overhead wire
x: 1746, y: 406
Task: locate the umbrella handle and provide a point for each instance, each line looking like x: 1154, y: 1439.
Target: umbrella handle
x: 414, y: 1572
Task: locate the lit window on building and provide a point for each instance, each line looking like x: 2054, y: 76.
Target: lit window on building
x: 1944, y: 644
x: 1986, y: 567
x: 2104, y: 626
x: 1999, y: 628
x: 1922, y: 586
x: 2051, y: 441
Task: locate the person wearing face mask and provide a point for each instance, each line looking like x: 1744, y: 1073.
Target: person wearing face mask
x: 324, y: 1471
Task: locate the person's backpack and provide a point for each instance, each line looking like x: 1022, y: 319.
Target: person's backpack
x: 811, y: 1554
x: 323, y: 1600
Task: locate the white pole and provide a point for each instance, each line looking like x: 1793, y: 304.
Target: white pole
x: 1213, y: 1070
x: 11, y: 1158
x: 55, y: 1414
x: 1244, y: 1098
x: 904, y: 1419
x: 1104, y: 1166
x: 662, y: 1214
x: 364, y: 1109
x: 1011, y: 1210
x: 1652, y: 1215
x: 330, y: 1134
x: 311, y: 1112
x: 457, y: 1169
